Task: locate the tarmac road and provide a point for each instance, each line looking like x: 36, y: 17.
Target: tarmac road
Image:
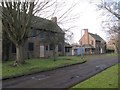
x: 63, y: 77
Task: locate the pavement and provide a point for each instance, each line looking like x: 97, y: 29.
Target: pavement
x: 63, y: 77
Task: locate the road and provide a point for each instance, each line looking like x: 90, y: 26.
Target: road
x: 63, y: 77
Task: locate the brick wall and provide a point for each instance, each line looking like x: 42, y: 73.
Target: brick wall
x: 86, y: 37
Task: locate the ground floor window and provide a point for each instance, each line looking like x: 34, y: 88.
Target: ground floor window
x: 59, y: 48
x: 46, y: 47
x: 13, y: 48
x: 51, y: 47
x: 30, y: 46
x: 67, y: 49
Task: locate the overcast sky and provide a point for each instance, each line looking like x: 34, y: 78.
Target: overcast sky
x: 88, y: 18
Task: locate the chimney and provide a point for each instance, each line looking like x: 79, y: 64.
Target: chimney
x: 86, y: 36
x: 54, y: 19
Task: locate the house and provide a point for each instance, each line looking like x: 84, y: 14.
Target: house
x: 68, y: 49
x: 41, y: 41
x: 0, y: 38
x: 75, y: 48
x: 92, y: 43
x: 111, y: 46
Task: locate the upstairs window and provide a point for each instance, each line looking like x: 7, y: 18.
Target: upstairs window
x: 30, y: 46
x: 80, y: 42
x: 41, y: 35
x: 34, y: 33
x: 92, y: 42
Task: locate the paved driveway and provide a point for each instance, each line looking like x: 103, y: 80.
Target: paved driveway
x: 63, y: 77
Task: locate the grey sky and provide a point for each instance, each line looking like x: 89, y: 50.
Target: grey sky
x: 89, y: 18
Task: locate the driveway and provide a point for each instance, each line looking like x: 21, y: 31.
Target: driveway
x: 63, y: 77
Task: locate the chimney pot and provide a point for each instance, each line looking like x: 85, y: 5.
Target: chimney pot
x: 54, y: 19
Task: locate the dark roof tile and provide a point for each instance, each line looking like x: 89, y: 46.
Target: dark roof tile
x: 97, y: 37
x: 45, y: 24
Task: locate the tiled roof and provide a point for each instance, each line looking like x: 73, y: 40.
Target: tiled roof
x: 68, y: 45
x: 41, y: 23
x: 97, y: 37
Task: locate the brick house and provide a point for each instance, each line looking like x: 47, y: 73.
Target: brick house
x: 0, y: 46
x: 40, y: 44
x: 92, y: 43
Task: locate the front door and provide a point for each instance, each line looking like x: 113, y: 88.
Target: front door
x: 41, y: 51
x: 101, y: 50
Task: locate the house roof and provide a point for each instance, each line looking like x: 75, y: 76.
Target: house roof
x: 68, y: 45
x: 97, y: 37
x: 45, y: 24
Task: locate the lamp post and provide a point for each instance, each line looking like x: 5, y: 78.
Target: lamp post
x: 81, y: 47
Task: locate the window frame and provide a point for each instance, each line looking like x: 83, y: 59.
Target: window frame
x: 30, y: 46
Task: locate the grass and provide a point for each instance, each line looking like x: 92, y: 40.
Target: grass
x: 0, y: 70
x: 106, y: 79
x: 37, y: 65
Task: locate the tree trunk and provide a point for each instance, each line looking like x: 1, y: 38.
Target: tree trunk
x: 115, y: 48
x: 7, y: 52
x: 19, y: 55
x: 54, y: 52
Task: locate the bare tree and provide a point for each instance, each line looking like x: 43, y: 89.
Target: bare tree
x: 114, y: 35
x: 17, y: 20
x: 54, y: 39
x: 111, y: 9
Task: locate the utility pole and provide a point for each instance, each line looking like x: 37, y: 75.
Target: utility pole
x: 82, y: 52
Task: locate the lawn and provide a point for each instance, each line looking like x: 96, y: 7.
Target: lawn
x: 0, y: 70
x: 105, y: 79
x: 37, y: 65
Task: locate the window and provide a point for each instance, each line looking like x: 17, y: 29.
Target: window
x: 80, y: 42
x: 59, y: 48
x: 13, y: 48
x: 92, y: 42
x: 41, y: 34
x: 99, y: 48
x: 46, y: 47
x: 67, y: 49
x: 34, y: 33
x: 30, y: 46
x: 51, y: 47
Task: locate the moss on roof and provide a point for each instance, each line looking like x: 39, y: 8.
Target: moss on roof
x: 45, y: 24
x: 97, y: 37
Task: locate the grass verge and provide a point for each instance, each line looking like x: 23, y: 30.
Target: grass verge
x: 105, y: 79
x: 37, y: 65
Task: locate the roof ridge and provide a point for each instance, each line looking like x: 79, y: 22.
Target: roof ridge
x: 47, y: 24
